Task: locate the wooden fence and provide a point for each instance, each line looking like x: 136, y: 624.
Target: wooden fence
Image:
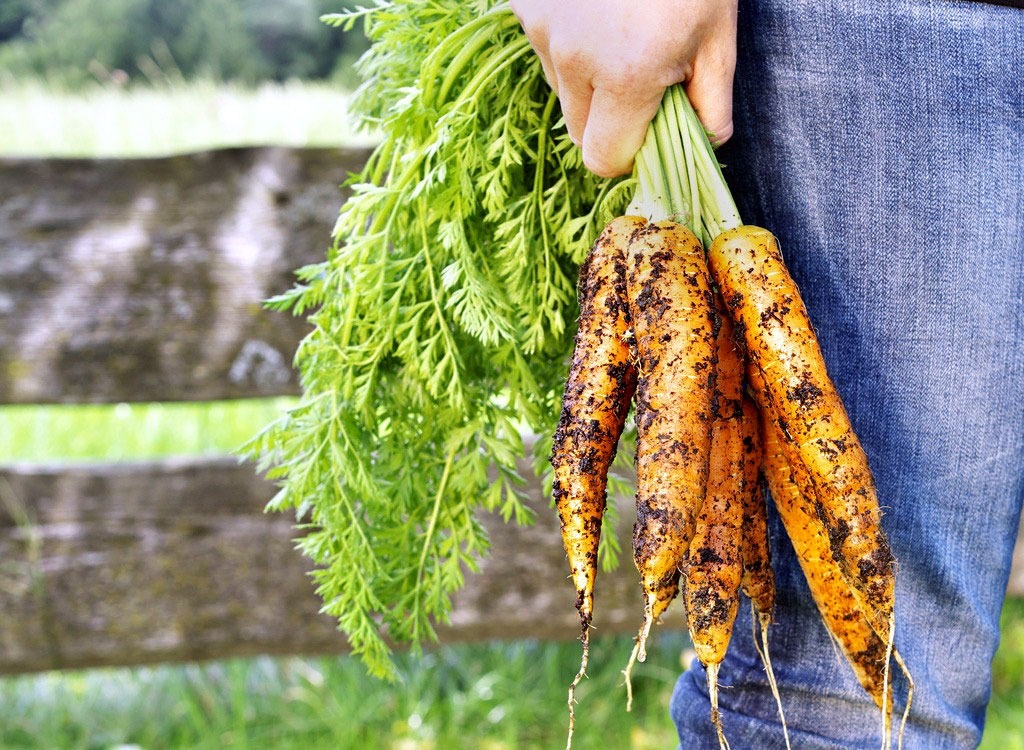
x: 141, y: 280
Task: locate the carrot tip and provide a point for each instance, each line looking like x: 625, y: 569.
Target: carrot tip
x: 627, y: 673
x: 576, y: 681
x: 716, y: 715
x: 887, y: 685
x: 764, y: 620
x: 641, y: 643
x: 910, y: 697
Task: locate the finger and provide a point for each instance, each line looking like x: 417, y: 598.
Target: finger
x: 574, y: 94
x: 711, y: 97
x: 549, y: 70
x: 528, y: 12
x: 710, y: 88
x: 616, y: 128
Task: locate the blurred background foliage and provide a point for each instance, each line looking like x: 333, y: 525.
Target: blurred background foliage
x: 72, y: 43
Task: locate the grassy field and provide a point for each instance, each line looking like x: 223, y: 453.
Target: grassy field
x: 483, y: 696
x: 1005, y: 720
x: 131, y: 431
x: 492, y: 697
x: 106, y: 121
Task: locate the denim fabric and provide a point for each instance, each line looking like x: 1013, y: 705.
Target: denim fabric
x: 883, y: 143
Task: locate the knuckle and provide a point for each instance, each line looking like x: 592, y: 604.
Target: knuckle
x: 632, y: 84
x: 567, y: 56
x: 623, y: 80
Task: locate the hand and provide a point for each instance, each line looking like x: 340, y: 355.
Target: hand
x: 610, y: 61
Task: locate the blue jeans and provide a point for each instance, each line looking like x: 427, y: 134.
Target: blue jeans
x: 883, y: 142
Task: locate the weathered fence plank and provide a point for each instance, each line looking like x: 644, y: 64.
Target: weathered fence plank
x: 141, y: 279
x: 174, y: 560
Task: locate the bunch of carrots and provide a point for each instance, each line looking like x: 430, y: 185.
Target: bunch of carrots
x: 692, y: 318
x: 447, y: 285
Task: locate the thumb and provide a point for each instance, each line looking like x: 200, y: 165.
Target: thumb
x: 710, y: 87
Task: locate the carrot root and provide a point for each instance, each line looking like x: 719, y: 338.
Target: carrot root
x: 640, y: 648
x: 887, y: 685
x: 627, y: 673
x: 584, y: 660
x: 716, y: 715
x: 764, y: 620
x: 910, y: 697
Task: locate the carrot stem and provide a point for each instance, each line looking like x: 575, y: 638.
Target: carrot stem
x: 678, y: 176
x: 718, y: 209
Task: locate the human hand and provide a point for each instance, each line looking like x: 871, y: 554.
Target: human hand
x: 610, y: 61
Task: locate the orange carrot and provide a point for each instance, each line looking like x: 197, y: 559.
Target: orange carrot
x: 841, y: 611
x: 597, y: 395
x: 822, y: 451
x: 674, y: 320
x: 714, y: 565
x: 758, y: 578
x: 711, y: 582
x: 758, y: 581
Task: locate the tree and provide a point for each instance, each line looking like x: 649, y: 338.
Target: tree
x: 237, y: 40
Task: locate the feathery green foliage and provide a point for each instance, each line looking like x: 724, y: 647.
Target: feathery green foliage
x: 442, y: 316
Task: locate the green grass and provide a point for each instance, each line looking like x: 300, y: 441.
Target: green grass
x: 131, y: 431
x: 1004, y: 729
x: 487, y: 696
x: 107, y: 121
x: 499, y: 697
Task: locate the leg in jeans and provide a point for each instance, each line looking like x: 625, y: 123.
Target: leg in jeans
x: 883, y: 142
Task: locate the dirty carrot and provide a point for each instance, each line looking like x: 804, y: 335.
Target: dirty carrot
x: 843, y: 615
x: 714, y: 565
x: 670, y: 300
x: 758, y: 581
x: 822, y: 450
x: 597, y: 395
x: 758, y: 578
